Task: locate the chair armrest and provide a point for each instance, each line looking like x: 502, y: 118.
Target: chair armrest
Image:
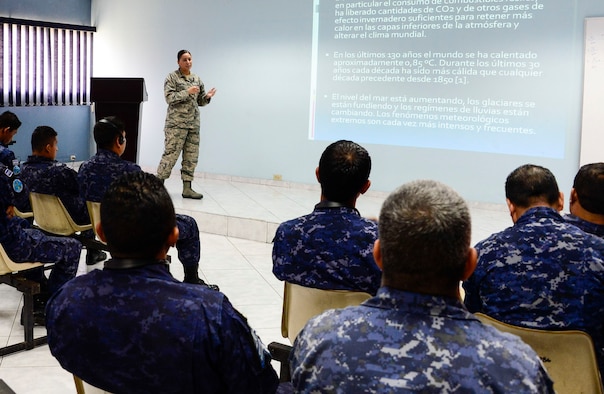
x: 280, y: 352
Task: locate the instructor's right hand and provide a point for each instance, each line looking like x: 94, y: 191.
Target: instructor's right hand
x: 193, y: 90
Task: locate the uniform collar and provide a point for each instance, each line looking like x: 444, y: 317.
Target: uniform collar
x: 326, y: 204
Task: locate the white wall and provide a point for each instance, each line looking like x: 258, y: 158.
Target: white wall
x: 257, y: 55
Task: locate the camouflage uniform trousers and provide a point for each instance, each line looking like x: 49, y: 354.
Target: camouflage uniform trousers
x: 179, y: 140
x: 64, y: 252
x: 188, y: 244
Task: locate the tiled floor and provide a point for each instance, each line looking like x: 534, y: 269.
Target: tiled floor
x: 237, y: 219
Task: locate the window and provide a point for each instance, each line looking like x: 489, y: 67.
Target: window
x: 44, y: 63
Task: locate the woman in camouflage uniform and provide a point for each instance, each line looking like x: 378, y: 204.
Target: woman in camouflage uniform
x: 184, y: 93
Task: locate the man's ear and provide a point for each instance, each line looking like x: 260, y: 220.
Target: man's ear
x: 366, y: 186
x: 317, y: 175
x: 573, y: 196
x: 560, y: 206
x: 100, y: 232
x: 471, y: 262
x: 513, y: 210
x: 377, y: 254
x: 173, y: 237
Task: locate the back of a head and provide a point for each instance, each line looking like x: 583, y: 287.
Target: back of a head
x: 106, y: 130
x: 530, y: 184
x: 10, y: 120
x: 344, y: 168
x: 42, y: 136
x: 137, y: 216
x: 589, y: 186
x: 424, y: 232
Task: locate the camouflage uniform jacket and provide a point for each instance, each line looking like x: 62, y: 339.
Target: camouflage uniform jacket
x: 94, y: 178
x: 43, y: 175
x: 23, y: 244
x: 403, y: 342
x: 7, y: 156
x: 183, y: 108
x: 139, y: 330
x: 96, y: 174
x: 541, y: 273
x: 330, y: 248
x: 10, y: 228
x: 588, y: 227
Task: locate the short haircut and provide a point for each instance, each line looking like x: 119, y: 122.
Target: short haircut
x: 530, y: 184
x: 589, y: 186
x: 344, y: 168
x: 42, y: 136
x: 137, y: 215
x: 180, y: 53
x: 10, y: 120
x: 424, y: 231
x: 106, y: 130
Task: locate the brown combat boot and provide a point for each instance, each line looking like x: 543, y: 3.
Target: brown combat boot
x: 187, y: 192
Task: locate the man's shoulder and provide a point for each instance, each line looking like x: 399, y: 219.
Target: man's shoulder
x: 586, y: 226
x: 137, y: 285
x: 328, y: 216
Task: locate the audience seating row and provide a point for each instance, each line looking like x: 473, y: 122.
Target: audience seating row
x: 568, y: 356
x: 50, y: 216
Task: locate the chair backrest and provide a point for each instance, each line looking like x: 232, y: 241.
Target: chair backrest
x: 94, y: 210
x: 8, y: 266
x: 85, y: 388
x: 51, y: 215
x: 568, y: 356
x: 301, y: 303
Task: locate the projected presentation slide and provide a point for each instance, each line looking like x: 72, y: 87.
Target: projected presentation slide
x: 471, y: 75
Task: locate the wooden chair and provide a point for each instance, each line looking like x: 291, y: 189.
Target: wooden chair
x: 94, y: 210
x: 299, y: 305
x: 568, y: 356
x: 52, y: 217
x: 85, y: 388
x: 24, y: 215
x: 11, y: 273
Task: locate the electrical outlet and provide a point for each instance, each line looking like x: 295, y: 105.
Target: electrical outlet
x: 277, y: 177
x: 72, y: 157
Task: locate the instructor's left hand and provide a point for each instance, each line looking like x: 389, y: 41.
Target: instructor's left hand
x: 210, y: 93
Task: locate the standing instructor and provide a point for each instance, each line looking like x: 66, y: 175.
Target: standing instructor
x: 184, y: 93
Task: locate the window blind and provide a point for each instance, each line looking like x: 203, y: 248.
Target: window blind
x: 44, y: 63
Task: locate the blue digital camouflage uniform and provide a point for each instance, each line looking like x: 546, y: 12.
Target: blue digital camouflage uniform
x: 43, y: 175
x: 403, y: 342
x: 140, y: 331
x: 24, y: 244
x: 541, y: 273
x: 181, y: 129
x: 94, y: 178
x: 588, y: 227
x: 7, y: 156
x: 330, y: 248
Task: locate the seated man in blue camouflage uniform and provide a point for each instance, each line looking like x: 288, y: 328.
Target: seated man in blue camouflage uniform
x: 9, y: 125
x: 415, y: 335
x: 96, y: 174
x: 587, y: 200
x: 24, y: 244
x: 542, y: 272
x: 331, y: 248
x: 133, y: 328
x: 41, y: 173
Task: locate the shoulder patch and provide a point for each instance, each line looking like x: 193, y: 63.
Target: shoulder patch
x: 17, y: 185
